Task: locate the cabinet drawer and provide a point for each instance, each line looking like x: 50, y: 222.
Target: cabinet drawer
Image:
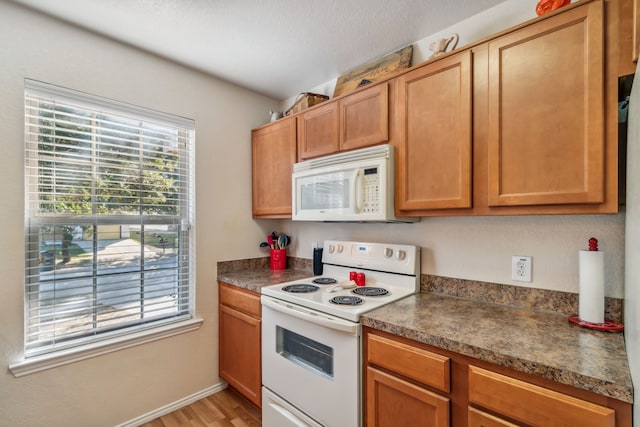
x: 241, y: 299
x: 412, y: 362
x: 482, y: 419
x: 532, y: 404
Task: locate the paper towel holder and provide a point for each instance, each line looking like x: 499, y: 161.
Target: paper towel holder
x: 607, y: 324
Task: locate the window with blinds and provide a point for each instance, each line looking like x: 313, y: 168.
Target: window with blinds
x: 109, y: 193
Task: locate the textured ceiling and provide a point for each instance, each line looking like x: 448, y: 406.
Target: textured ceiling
x: 275, y: 47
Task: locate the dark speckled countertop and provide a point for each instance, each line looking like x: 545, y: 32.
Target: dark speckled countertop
x: 542, y: 344
x: 535, y: 342
x: 255, y: 279
x: 252, y: 274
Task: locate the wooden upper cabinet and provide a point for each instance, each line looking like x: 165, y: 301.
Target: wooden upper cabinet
x: 273, y: 151
x: 434, y: 148
x: 546, y: 136
x: 354, y: 121
x: 364, y: 118
x: 318, y: 131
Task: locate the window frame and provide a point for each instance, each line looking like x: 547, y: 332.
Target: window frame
x: 126, y: 336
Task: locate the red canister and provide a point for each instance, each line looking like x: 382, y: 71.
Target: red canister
x: 360, y: 279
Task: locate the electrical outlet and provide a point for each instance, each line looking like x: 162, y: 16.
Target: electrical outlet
x: 521, y: 268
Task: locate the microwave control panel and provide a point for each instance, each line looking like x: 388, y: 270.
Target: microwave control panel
x: 371, y: 190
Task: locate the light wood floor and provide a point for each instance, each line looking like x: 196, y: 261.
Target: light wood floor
x: 223, y: 409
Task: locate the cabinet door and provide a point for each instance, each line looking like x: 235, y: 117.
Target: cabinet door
x: 364, y: 118
x: 435, y: 135
x: 394, y: 402
x: 534, y: 405
x: 239, y: 352
x: 546, y: 112
x: 318, y: 131
x: 273, y: 150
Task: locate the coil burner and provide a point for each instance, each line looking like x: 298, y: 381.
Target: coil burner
x: 346, y: 300
x: 301, y: 288
x: 324, y: 281
x: 370, y: 292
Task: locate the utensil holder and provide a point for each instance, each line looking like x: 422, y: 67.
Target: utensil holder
x: 317, y: 261
x: 278, y: 259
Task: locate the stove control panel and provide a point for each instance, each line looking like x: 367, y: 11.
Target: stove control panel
x: 404, y: 259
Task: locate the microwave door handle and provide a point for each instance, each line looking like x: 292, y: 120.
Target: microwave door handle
x: 358, y: 191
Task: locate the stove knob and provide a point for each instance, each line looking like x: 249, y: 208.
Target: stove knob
x: 331, y: 249
x: 340, y: 249
x: 388, y: 252
x: 401, y: 255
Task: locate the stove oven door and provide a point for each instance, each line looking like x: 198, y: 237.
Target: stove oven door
x: 312, y: 361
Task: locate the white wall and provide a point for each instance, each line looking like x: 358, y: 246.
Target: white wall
x: 484, y: 24
x: 480, y: 248
x: 111, y: 389
x: 632, y: 274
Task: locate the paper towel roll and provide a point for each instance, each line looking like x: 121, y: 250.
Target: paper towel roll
x: 591, y: 276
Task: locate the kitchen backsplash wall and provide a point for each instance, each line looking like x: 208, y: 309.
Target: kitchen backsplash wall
x: 480, y: 248
x: 559, y: 302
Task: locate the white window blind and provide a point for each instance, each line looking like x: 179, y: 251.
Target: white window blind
x: 109, y: 191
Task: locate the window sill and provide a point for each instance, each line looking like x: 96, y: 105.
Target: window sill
x: 53, y: 360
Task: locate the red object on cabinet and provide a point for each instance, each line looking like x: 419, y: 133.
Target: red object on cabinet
x: 546, y: 6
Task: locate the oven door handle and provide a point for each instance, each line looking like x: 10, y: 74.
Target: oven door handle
x: 312, y: 316
x: 292, y: 419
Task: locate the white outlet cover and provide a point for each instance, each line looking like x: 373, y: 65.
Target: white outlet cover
x: 521, y: 268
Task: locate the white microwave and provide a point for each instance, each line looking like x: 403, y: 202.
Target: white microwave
x: 354, y: 186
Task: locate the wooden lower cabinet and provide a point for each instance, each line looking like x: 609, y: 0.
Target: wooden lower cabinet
x: 408, y: 383
x: 479, y: 418
x: 392, y: 401
x: 240, y: 340
x: 534, y: 405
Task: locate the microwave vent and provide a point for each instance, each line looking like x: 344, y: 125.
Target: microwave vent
x: 384, y: 151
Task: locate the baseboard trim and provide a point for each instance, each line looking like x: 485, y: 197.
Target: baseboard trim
x: 174, y: 406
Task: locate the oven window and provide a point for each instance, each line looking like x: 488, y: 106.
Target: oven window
x: 305, y: 352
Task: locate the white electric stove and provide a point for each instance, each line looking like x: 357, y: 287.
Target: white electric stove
x: 311, y: 348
